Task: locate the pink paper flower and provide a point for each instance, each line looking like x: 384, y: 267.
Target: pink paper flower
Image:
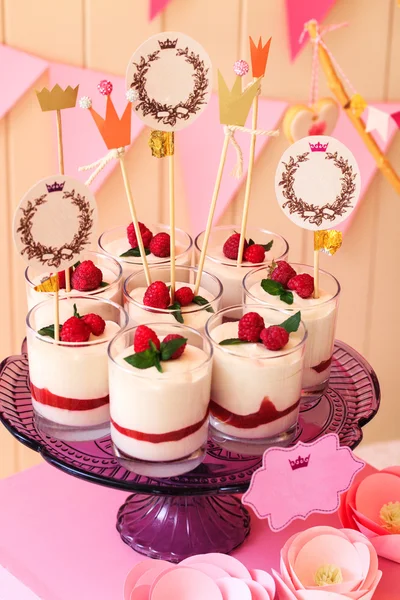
x: 372, y: 506
x: 324, y: 563
x: 202, y: 577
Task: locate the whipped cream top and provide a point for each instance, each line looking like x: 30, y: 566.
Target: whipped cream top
x: 138, y: 293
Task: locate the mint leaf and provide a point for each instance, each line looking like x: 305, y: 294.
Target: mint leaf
x: 142, y: 360
x: 176, y: 311
x: 48, y: 331
x: 76, y: 314
x: 292, y: 323
x: 200, y: 301
x: 272, y: 287
x: 286, y: 297
x: 267, y: 247
x: 168, y: 349
x: 76, y: 265
x: 134, y: 252
x: 157, y: 363
x: 233, y: 342
x: 104, y: 284
x: 251, y: 242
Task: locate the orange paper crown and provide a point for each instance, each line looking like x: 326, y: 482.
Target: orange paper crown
x: 259, y: 57
x: 115, y: 132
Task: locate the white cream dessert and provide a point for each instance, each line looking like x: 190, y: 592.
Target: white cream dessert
x: 160, y: 416
x: 255, y: 392
x: 194, y: 316
x: 69, y: 382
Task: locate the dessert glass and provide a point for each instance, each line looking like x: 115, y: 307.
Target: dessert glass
x: 112, y: 274
x: 255, y: 392
x: 225, y: 269
x: 319, y: 316
x: 69, y: 381
x: 159, y: 421
x: 114, y: 242
x: 193, y: 315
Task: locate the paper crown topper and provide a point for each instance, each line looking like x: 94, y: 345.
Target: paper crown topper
x: 259, y: 57
x: 57, y: 98
x: 115, y: 131
x: 235, y: 104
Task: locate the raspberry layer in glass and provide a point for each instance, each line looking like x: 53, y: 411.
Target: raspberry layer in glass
x: 227, y: 271
x: 318, y: 314
x: 255, y: 392
x: 160, y: 417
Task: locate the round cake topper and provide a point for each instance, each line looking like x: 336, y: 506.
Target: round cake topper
x: 317, y: 182
x: 171, y: 73
x: 55, y: 222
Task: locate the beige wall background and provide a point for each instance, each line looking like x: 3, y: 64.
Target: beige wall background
x: 100, y: 34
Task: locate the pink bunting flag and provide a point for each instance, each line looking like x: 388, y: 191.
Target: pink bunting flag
x: 299, y: 12
x: 198, y: 149
x: 396, y: 118
x: 157, y: 6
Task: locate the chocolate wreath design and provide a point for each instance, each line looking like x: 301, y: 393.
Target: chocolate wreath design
x: 166, y: 113
x: 50, y: 255
x: 310, y: 212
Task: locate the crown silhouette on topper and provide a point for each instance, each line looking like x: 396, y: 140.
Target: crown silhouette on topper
x: 55, y: 187
x: 318, y: 147
x: 259, y: 57
x: 235, y: 104
x: 300, y: 462
x: 166, y: 44
x: 57, y: 98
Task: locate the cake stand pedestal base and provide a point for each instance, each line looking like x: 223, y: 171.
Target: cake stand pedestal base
x: 175, y: 527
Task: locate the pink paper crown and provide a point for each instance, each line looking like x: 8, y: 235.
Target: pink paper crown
x: 300, y: 462
x: 55, y: 187
x: 319, y: 147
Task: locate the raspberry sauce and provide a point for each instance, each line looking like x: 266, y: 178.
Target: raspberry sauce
x: 322, y: 365
x: 44, y: 396
x: 267, y: 414
x: 157, y: 438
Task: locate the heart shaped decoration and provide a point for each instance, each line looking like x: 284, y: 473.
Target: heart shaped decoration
x: 302, y: 121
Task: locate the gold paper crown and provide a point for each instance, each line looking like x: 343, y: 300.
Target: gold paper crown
x: 235, y: 104
x: 57, y: 98
x: 115, y: 132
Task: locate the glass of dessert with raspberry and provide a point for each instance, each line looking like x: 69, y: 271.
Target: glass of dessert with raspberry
x: 160, y: 379
x: 146, y: 304
x: 121, y: 244
x: 256, y: 377
x: 260, y: 248
x: 291, y: 287
x: 95, y: 274
x: 69, y: 377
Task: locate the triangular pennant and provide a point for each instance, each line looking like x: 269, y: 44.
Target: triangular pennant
x: 157, y: 6
x: 18, y: 73
x: 198, y: 150
x: 378, y: 120
x: 81, y: 140
x: 299, y: 12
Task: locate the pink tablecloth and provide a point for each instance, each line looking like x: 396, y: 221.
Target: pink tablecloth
x: 58, y: 536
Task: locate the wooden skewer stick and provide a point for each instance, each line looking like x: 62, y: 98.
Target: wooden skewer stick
x: 67, y: 277
x: 56, y: 317
x: 171, y: 176
x: 135, y: 220
x: 211, y: 213
x: 60, y: 143
x: 67, y: 280
x: 247, y: 192
x: 316, y: 269
x: 339, y: 91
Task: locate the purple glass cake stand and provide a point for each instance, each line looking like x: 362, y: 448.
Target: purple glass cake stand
x: 197, y: 512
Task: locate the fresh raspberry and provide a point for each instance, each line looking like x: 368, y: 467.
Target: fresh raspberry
x: 181, y: 350
x: 231, y: 246
x: 75, y: 330
x: 274, y: 337
x: 283, y: 272
x: 254, y: 253
x: 160, y: 245
x: 86, y: 277
x: 184, y: 296
x: 143, y: 335
x: 145, y: 233
x: 302, y: 284
x: 157, y: 295
x: 250, y: 327
x: 95, y: 323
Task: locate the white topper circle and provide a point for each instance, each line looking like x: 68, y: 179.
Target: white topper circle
x: 171, y: 73
x: 317, y: 182
x: 55, y: 222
